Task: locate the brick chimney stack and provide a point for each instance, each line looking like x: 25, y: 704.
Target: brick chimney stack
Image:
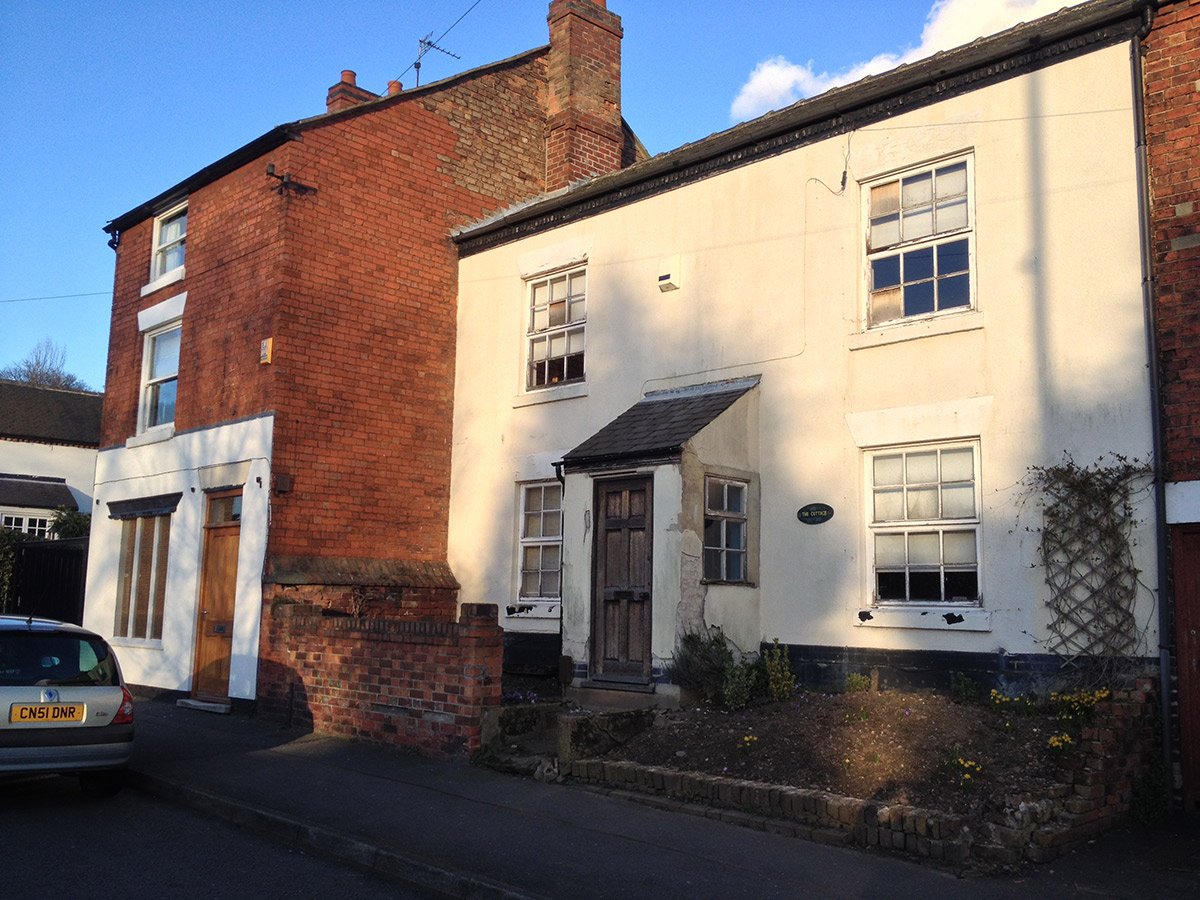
x: 346, y: 93
x: 584, y: 134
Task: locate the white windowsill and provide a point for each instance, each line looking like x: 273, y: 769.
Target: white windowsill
x: 163, y: 280
x: 947, y: 323
x: 550, y: 394
x: 139, y: 643
x: 961, y: 618
x: 533, y: 609
x: 152, y: 436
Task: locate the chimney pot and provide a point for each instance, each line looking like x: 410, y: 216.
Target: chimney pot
x: 349, y: 76
x: 394, y: 88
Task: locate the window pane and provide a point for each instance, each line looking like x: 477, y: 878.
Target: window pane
x: 958, y: 465
x: 550, y: 585
x: 889, y: 550
x: 918, y: 190
x: 558, y: 345
x: 924, y: 585
x: 923, y: 468
x: 885, y: 306
x: 531, y: 584
x: 923, y: 503
x: 173, y: 228
x: 958, y: 501
x: 558, y: 289
x: 962, y: 585
x: 954, y: 292
x: 888, y: 470
x: 578, y: 285
x: 885, y: 199
x: 918, y: 223
x: 578, y: 310
x: 533, y: 525
x: 952, y: 180
x: 712, y: 533
x: 162, y: 403
x: 889, y: 505
x: 541, y: 319
x: 552, y: 496
x: 715, y: 495
x: 890, y: 585
x: 712, y: 564
x: 575, y: 341
x: 735, y: 495
x: 885, y: 272
x: 959, y: 548
x: 164, y: 354
x: 735, y: 535
x: 952, y: 257
x: 172, y: 258
x: 558, y: 314
x: 952, y: 215
x: 924, y: 549
x: 918, y: 298
x: 885, y: 230
x: 533, y: 499
x: 552, y: 524
x: 575, y: 366
x: 735, y: 567
x: 550, y: 554
x: 918, y: 264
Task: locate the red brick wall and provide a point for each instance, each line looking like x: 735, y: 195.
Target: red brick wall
x: 584, y: 135
x: 364, y: 351
x: 412, y: 683
x: 1172, y: 83
x: 232, y: 265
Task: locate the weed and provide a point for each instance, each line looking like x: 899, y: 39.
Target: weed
x: 779, y: 680
x: 963, y: 688
x: 738, y: 686
x: 857, y: 684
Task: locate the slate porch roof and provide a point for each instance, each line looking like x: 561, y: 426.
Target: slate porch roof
x: 49, y: 415
x: 656, y: 427
x: 35, y: 492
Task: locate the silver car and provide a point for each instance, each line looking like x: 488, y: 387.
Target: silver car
x: 63, y: 705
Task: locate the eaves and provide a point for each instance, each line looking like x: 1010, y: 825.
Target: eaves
x: 1019, y: 50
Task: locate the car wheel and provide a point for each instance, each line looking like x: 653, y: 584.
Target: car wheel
x: 101, y: 784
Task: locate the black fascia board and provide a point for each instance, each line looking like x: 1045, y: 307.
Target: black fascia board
x: 276, y: 137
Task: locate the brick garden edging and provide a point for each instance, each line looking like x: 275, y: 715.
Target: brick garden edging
x: 1095, y: 795
x: 410, y: 682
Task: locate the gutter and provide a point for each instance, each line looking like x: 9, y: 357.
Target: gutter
x: 1165, y: 597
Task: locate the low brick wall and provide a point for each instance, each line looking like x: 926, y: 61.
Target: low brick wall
x: 404, y: 681
x: 1097, y: 788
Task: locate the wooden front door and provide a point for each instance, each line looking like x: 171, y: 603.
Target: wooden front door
x: 1185, y: 552
x: 218, y: 591
x: 622, y: 577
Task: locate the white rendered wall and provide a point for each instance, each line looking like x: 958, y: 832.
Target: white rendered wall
x: 187, y: 463
x: 1051, y: 360
x: 76, y: 464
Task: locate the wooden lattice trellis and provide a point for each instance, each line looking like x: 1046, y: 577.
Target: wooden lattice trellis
x: 1088, y: 559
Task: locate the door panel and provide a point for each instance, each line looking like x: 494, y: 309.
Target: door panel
x: 218, y: 593
x: 621, y: 591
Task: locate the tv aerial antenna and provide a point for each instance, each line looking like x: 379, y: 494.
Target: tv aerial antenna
x: 424, y: 45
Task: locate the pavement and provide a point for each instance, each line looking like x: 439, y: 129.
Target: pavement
x: 451, y: 829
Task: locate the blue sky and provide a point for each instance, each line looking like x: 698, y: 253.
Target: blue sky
x: 109, y: 102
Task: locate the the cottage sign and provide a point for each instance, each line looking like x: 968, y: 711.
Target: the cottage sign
x: 815, y: 513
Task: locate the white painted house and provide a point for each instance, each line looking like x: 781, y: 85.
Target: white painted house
x: 789, y: 380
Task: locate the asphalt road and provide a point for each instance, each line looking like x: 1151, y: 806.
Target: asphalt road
x: 59, y: 844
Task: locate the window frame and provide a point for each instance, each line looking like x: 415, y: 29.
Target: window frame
x: 41, y: 522
x: 160, y: 250
x: 544, y: 603
x: 135, y: 595
x: 151, y: 382
x: 908, y: 251
x: 939, y: 524
x: 723, y: 517
x: 569, y: 330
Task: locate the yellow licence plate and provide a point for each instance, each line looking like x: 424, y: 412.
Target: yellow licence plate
x: 46, y: 712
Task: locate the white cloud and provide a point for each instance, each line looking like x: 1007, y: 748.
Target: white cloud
x: 776, y: 82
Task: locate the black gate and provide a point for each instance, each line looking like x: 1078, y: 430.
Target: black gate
x: 50, y: 578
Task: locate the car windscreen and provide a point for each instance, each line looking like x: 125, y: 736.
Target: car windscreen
x: 50, y: 658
